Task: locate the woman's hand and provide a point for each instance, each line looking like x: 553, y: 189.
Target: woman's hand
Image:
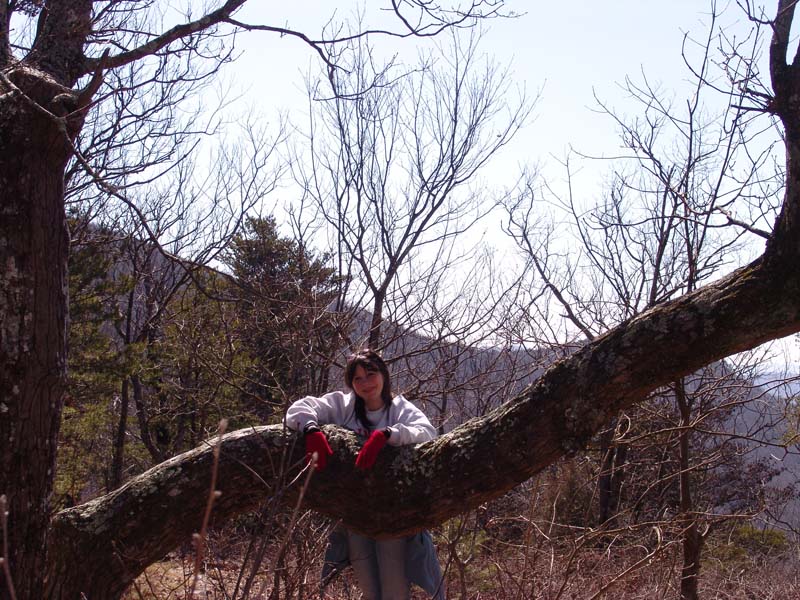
x: 317, y: 443
x: 369, y: 452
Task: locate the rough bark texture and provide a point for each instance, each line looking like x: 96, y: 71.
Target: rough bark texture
x: 33, y: 314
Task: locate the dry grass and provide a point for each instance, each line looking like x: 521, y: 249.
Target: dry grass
x: 171, y: 580
x: 511, y: 549
x: 509, y: 571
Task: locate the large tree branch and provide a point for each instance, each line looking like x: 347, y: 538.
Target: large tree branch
x: 785, y: 242
x: 5, y: 42
x: 64, y: 26
x: 412, y: 488
x: 779, y: 44
x: 438, y: 20
x: 160, y: 42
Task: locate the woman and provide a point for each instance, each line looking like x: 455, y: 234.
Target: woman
x: 381, y: 566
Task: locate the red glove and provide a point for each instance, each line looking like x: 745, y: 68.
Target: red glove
x: 317, y: 442
x: 369, y: 452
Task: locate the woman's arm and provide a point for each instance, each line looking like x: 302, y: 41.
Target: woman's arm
x: 313, y: 411
x: 408, y: 425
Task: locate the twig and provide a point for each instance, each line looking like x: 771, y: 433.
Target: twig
x: 281, y: 486
x: 213, y: 494
x: 646, y: 559
x: 4, y: 558
x: 310, y: 468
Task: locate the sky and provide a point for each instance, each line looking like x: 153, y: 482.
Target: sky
x: 566, y: 52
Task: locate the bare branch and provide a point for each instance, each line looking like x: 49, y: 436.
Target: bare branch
x: 178, y: 32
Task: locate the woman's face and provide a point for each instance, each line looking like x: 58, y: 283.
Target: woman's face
x: 368, y: 385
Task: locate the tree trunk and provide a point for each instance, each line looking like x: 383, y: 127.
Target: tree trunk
x: 118, y: 457
x: 692, y: 540
x: 612, y: 471
x: 375, y: 337
x: 33, y: 319
x: 143, y: 417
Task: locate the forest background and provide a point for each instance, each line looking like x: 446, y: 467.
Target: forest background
x: 221, y: 266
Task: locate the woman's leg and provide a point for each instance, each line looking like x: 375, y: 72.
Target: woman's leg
x: 392, y: 568
x: 364, y: 559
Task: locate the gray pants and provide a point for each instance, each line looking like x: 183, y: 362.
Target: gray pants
x: 379, y: 566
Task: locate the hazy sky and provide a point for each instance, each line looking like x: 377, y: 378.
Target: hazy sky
x: 566, y: 50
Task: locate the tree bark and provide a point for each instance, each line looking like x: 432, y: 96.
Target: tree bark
x: 40, y: 115
x: 692, y: 540
x: 33, y: 311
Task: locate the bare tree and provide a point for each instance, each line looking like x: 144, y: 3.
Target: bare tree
x: 395, y: 153
x: 669, y: 223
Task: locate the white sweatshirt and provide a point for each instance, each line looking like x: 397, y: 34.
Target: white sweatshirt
x: 408, y: 424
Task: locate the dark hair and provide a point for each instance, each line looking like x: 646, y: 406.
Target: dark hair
x: 369, y: 360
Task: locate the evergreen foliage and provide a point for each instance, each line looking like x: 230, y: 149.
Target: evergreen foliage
x: 97, y: 363
x: 285, y: 325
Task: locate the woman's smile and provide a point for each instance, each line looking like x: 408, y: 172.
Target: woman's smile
x: 368, y: 386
